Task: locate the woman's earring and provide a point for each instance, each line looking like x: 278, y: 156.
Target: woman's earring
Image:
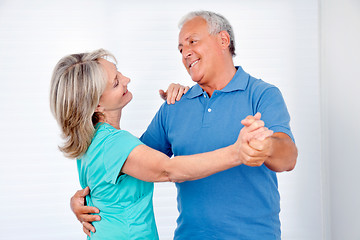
x: 103, y: 116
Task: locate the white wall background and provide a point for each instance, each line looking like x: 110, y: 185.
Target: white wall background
x: 340, y: 60
x: 308, y: 48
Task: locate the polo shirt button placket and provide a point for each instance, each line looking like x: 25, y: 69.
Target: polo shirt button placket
x: 206, y: 119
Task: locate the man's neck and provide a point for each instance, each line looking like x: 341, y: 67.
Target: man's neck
x: 220, y: 80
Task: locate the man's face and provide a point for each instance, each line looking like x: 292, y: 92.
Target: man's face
x: 200, y: 50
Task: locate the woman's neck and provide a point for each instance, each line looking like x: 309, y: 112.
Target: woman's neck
x: 112, y: 118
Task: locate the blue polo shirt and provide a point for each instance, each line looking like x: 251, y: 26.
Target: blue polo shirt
x: 239, y: 203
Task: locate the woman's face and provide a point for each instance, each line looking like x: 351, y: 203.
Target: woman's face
x: 116, y: 95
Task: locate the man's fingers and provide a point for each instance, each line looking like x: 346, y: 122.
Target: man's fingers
x: 256, y: 124
x: 262, y: 135
x: 264, y: 147
x: 250, y: 119
x: 87, y: 227
x: 260, y: 146
x: 257, y: 116
x: 251, y: 152
x: 79, y: 193
x: 87, y: 210
x: 257, y: 132
x: 89, y: 218
x: 255, y: 163
x: 86, y: 231
x: 85, y: 191
x: 84, y: 214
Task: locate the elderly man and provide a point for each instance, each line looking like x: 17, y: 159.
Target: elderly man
x: 242, y: 202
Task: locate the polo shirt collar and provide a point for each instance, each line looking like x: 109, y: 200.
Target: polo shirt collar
x: 238, y: 82
x: 195, y: 91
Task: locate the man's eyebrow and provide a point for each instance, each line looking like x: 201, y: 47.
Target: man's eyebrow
x: 180, y: 44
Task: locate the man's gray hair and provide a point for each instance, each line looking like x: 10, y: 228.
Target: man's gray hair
x: 216, y: 24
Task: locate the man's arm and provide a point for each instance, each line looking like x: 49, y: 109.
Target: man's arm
x: 280, y: 150
x: 277, y: 152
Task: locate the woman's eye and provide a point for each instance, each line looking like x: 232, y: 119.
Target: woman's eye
x: 116, y: 83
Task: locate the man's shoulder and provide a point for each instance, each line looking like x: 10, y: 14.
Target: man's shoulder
x: 258, y: 83
x: 257, y: 89
x: 248, y: 82
x: 258, y: 86
x: 185, y: 99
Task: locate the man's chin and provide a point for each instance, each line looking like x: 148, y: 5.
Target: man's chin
x: 196, y: 79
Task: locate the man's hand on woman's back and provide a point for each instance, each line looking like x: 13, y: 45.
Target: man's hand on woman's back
x: 83, y: 212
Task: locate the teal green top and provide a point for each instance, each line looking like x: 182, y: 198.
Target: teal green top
x: 125, y: 203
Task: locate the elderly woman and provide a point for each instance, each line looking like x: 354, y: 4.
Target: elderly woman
x: 87, y: 96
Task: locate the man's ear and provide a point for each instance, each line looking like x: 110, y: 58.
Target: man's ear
x: 225, y: 39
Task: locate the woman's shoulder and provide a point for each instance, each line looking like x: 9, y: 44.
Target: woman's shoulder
x: 113, y: 136
x: 109, y: 131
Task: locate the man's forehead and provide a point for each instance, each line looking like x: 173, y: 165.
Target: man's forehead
x: 187, y: 36
x: 192, y: 26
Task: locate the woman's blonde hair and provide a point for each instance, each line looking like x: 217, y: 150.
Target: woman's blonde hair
x: 77, y: 83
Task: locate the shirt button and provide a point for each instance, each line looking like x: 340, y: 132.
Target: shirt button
x: 204, y: 96
x: 209, y: 109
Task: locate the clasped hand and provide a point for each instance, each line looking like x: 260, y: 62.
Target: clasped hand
x: 254, y: 141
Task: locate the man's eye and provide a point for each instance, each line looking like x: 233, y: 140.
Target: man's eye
x: 180, y: 50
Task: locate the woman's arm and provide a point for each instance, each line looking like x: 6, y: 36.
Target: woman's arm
x: 150, y: 165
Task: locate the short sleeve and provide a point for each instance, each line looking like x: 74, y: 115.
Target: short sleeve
x: 274, y: 112
x: 155, y: 136
x: 117, y: 148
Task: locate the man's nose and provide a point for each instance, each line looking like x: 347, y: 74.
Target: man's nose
x: 187, y: 53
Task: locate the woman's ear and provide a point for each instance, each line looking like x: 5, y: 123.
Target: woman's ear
x: 99, y: 109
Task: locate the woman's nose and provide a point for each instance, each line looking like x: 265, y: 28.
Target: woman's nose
x: 126, y: 81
